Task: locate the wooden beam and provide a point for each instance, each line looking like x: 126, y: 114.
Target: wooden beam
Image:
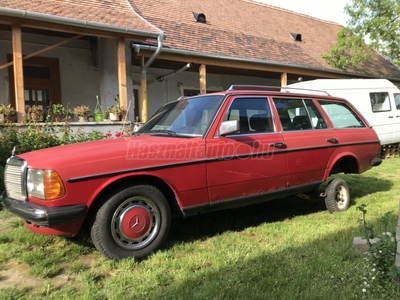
x: 123, y: 93
x: 245, y: 65
x: 143, y: 88
x: 284, y: 79
x: 18, y: 73
x: 69, y: 28
x: 203, y: 83
x: 43, y: 50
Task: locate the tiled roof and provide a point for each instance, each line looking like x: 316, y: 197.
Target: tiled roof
x: 245, y: 28
x: 113, y: 12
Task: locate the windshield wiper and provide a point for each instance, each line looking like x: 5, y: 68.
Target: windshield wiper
x: 169, y: 132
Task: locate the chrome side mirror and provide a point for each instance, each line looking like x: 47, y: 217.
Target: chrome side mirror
x: 228, y: 127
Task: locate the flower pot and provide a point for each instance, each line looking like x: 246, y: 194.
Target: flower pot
x: 114, y: 117
x: 99, y: 117
x: 82, y: 118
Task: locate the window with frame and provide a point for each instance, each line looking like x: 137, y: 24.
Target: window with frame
x: 41, y: 81
x: 397, y: 100
x: 380, y: 101
x: 253, y: 114
x: 299, y: 114
x: 341, y: 115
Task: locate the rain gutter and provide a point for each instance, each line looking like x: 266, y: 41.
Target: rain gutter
x: 74, y: 22
x: 256, y: 61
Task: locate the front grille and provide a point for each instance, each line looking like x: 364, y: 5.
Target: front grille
x: 14, y: 178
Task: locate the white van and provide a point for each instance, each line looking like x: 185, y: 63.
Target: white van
x: 378, y: 100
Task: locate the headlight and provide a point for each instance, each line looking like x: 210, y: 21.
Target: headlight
x: 45, y: 184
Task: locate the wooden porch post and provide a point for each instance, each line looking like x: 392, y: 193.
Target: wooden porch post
x: 123, y: 93
x: 284, y: 79
x: 203, y: 84
x: 18, y: 73
x: 143, y: 87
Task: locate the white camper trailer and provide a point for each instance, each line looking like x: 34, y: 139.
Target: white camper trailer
x: 378, y: 100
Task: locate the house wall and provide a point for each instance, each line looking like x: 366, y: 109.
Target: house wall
x: 172, y: 88
x: 79, y: 81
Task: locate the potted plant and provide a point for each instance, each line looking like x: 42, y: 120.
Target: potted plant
x: 6, y: 111
x: 58, y: 113
x: 115, y: 111
x: 81, y: 112
x: 98, y: 112
x: 35, y: 113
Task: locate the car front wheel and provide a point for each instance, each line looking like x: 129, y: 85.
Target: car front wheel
x: 133, y: 222
x: 337, y: 195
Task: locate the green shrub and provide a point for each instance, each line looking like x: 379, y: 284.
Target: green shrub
x: 36, y: 137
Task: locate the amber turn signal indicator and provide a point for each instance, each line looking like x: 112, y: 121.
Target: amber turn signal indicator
x: 53, y: 185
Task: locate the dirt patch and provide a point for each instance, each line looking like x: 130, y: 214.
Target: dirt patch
x: 4, y: 223
x: 16, y: 275
x: 89, y: 259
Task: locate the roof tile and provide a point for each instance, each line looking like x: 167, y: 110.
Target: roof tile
x: 115, y: 12
x: 245, y: 28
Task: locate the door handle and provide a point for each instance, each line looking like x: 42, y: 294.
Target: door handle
x: 278, y: 145
x: 390, y: 117
x: 332, y: 140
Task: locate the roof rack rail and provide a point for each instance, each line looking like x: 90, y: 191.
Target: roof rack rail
x: 274, y: 88
x: 234, y: 87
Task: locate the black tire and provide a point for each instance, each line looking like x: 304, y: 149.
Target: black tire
x: 133, y: 222
x: 337, y: 195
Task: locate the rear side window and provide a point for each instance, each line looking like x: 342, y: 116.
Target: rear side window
x: 380, y: 102
x: 253, y: 114
x: 397, y: 100
x: 341, y: 115
x: 298, y: 114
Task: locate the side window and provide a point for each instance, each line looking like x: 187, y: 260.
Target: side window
x: 397, y: 100
x: 341, y: 115
x: 380, y: 102
x: 292, y: 114
x: 253, y: 114
x: 317, y: 120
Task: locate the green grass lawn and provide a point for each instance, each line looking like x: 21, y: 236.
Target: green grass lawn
x: 284, y: 249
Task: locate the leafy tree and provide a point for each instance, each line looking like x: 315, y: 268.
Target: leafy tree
x: 376, y: 20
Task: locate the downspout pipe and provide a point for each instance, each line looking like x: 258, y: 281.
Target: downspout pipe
x: 160, y: 41
x: 143, y: 80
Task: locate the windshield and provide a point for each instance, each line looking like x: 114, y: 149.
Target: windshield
x: 190, y: 117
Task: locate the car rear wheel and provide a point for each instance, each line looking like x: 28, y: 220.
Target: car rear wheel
x: 133, y: 222
x: 337, y: 195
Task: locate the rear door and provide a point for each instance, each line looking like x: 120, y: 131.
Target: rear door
x: 309, y: 141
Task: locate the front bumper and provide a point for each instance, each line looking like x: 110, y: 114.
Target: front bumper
x: 43, y: 215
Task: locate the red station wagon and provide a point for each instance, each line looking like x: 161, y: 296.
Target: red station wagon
x: 194, y: 155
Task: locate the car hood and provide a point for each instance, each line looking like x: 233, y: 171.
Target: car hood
x: 113, y: 155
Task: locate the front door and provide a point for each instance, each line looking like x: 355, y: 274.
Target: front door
x: 250, y: 161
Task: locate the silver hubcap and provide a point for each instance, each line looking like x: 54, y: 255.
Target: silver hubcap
x: 341, y: 197
x: 135, y: 223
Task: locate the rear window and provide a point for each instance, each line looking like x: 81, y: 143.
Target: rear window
x: 341, y: 115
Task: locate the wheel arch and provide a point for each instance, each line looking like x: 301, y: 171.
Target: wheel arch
x: 345, y: 162
x: 129, y: 181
